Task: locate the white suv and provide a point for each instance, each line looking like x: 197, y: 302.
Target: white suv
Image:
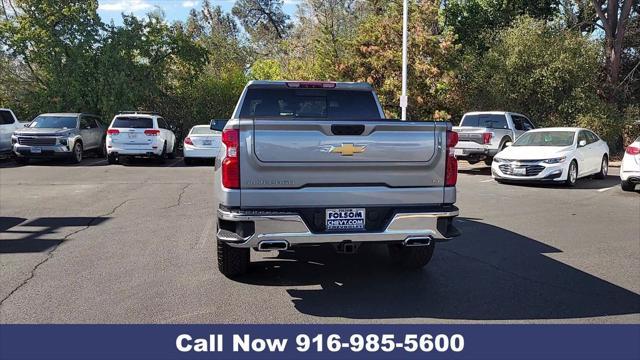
x: 140, y: 134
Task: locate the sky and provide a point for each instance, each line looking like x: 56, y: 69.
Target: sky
x: 173, y: 9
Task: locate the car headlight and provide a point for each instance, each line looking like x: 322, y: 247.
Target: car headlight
x: 63, y: 141
x: 14, y: 139
x: 498, y: 160
x: 555, y: 160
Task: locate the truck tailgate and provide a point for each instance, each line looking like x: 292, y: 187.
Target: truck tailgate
x: 365, y: 163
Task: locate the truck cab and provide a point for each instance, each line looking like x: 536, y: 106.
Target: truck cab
x: 483, y: 134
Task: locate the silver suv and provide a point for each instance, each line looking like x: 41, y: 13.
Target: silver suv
x: 56, y: 135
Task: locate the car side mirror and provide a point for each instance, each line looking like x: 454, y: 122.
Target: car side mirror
x: 27, y: 124
x: 218, y: 124
x: 508, y: 143
x: 582, y: 143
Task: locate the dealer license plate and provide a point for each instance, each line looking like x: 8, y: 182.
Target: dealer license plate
x: 206, y: 142
x: 36, y: 150
x: 519, y: 171
x: 348, y: 219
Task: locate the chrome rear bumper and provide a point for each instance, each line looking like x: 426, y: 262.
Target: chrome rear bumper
x: 292, y: 229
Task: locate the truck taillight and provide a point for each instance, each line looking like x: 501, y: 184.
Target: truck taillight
x: 451, y: 170
x: 113, y: 132
x: 632, y: 150
x: 152, y: 132
x: 231, y: 163
x: 486, y: 138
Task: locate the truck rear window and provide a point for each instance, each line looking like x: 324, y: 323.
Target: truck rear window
x: 492, y: 121
x: 133, y: 122
x: 310, y: 103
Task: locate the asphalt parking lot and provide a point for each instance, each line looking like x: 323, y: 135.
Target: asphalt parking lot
x: 98, y: 243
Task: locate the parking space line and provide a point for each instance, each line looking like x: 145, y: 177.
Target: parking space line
x: 205, y: 233
x: 605, y: 189
x: 487, y: 180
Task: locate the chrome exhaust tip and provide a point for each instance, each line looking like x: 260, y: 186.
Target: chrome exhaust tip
x: 418, y: 241
x: 269, y: 245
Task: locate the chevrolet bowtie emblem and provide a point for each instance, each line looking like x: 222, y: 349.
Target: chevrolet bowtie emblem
x: 348, y: 149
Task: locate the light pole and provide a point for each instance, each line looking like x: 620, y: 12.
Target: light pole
x: 403, y: 96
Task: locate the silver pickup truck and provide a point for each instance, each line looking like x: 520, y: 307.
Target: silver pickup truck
x: 484, y: 134
x: 306, y: 163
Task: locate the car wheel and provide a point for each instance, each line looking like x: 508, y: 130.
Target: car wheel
x: 572, y: 174
x: 627, y: 186
x: 163, y: 155
x: 103, y: 149
x: 76, y: 154
x: 232, y: 261
x: 604, y: 168
x: 22, y: 160
x: 488, y: 161
x: 172, y: 154
x: 112, y: 159
x: 411, y: 257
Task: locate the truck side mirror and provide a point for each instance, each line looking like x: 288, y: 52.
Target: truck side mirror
x: 218, y: 124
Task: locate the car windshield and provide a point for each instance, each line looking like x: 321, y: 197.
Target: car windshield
x: 133, y: 122
x: 201, y: 130
x: 546, y: 138
x: 54, y: 122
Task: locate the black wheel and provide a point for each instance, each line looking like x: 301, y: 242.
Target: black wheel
x: 172, y: 154
x: 103, y: 149
x: 20, y: 160
x: 188, y: 161
x: 627, y: 186
x: 572, y: 175
x: 76, y: 153
x: 412, y: 257
x: 488, y: 161
x: 232, y: 261
x: 112, y: 159
x: 163, y: 156
x: 604, y: 168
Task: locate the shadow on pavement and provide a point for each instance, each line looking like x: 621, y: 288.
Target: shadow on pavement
x: 488, y: 273
x: 26, y: 240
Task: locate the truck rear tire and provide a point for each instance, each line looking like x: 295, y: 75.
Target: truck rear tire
x: 232, y: 261
x: 413, y: 257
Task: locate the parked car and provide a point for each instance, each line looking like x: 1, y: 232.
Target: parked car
x: 560, y: 155
x: 485, y: 133
x: 59, y: 135
x: 140, y: 134
x: 630, y: 168
x: 8, y: 124
x: 201, y: 143
x: 307, y: 163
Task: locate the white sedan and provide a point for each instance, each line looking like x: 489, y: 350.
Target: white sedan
x: 201, y: 143
x: 630, y: 168
x: 557, y: 155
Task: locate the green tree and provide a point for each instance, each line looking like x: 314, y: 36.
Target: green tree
x: 55, y: 41
x: 264, y: 21
x: 544, y: 71
x: 377, y: 59
x: 474, y: 20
